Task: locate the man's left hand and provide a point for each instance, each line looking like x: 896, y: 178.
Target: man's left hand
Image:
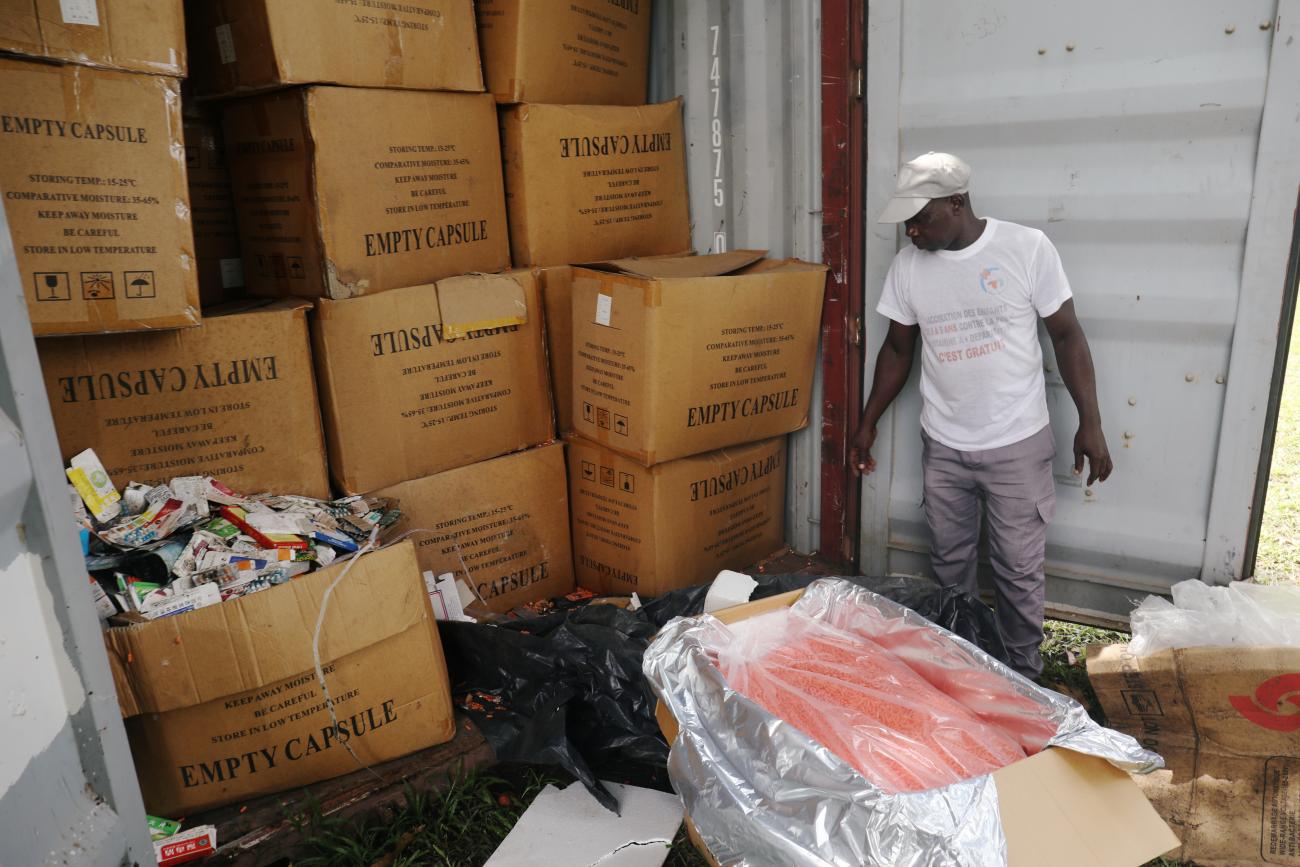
x: 1090, y: 443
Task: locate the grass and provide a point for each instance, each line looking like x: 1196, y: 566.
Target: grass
x: 1279, y: 539
x: 460, y: 827
x: 1064, y: 647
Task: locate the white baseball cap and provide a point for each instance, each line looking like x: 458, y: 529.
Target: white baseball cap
x: 929, y: 176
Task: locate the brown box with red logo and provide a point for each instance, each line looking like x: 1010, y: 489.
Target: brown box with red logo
x: 1227, y: 721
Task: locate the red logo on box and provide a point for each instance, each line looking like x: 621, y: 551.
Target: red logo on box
x: 1275, y: 705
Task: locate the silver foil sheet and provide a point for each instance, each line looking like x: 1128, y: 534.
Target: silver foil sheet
x: 760, y: 792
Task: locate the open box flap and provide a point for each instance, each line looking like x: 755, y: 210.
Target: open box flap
x: 1070, y: 810
x: 668, y: 267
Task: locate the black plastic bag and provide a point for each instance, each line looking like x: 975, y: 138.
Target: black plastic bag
x: 566, y: 688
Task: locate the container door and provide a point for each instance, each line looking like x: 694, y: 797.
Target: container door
x: 68, y: 791
x: 1156, y: 145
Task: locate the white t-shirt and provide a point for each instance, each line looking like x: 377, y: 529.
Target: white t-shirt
x: 978, y: 308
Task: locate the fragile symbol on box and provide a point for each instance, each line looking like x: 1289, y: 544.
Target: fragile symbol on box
x: 139, y: 284
x: 588, y: 412
x: 52, y: 286
x: 96, y: 285
x: 588, y: 471
x: 607, y: 476
x: 262, y: 270
x: 626, y: 483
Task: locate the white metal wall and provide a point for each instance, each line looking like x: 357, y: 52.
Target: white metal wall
x: 1131, y: 134
x: 750, y: 75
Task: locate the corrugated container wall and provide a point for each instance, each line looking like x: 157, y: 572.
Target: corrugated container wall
x: 750, y: 74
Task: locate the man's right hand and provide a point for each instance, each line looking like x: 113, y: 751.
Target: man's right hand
x: 860, y: 452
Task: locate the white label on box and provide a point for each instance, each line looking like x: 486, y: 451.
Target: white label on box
x: 232, y: 273
x: 604, y: 306
x: 80, y: 12
x: 226, y: 43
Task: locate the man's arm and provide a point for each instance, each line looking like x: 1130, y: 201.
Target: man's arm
x: 1075, y: 361
x: 893, y: 365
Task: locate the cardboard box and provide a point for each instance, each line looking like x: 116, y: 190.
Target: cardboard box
x: 582, y: 52
x: 96, y: 200
x: 1059, y: 807
x: 212, y: 208
x: 503, y: 523
x: 585, y: 183
x: 675, y: 357
x: 557, y: 297
x: 244, y: 45
x: 1225, y: 720
x: 429, y: 378
x: 135, y: 35
x: 325, y: 211
x: 234, y: 398
x: 223, y: 703
x: 677, y: 524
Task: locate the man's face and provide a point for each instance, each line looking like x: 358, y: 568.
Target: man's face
x: 935, y: 226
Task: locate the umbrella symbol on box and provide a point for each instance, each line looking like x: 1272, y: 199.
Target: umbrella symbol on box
x: 139, y: 284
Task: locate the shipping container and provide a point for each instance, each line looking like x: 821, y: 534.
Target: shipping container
x: 1156, y: 144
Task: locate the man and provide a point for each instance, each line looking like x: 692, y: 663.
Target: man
x: 973, y: 290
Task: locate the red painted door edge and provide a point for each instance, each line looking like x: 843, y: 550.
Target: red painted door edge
x: 843, y: 45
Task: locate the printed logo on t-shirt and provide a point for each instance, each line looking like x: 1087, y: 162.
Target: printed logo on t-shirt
x: 971, y: 332
x: 990, y: 283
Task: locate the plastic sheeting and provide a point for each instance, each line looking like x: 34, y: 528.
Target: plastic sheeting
x: 566, y: 688
x: 1239, y: 615
x: 762, y: 792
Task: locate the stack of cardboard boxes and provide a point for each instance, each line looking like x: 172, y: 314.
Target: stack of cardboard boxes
x: 395, y: 214
x: 687, y: 372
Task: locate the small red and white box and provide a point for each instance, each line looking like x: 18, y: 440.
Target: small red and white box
x: 186, y: 846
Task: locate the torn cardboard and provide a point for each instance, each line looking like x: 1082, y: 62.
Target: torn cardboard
x: 503, y: 523
x: 324, y: 211
x: 234, y: 398
x: 1058, y: 807
x: 583, y: 52
x: 679, y: 356
x: 1225, y: 719
x: 96, y: 198
x: 569, y: 828
x: 223, y: 703
x: 429, y: 378
x: 132, y: 35
x: 246, y: 45
x: 218, y: 261
x: 675, y: 524
x: 587, y: 182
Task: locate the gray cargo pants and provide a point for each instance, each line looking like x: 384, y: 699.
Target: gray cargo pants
x: 1015, y: 486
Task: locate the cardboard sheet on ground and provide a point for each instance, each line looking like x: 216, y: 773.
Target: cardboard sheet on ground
x: 569, y: 828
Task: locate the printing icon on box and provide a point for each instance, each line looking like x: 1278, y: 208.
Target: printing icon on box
x: 96, y: 285
x: 52, y: 286
x: 139, y: 284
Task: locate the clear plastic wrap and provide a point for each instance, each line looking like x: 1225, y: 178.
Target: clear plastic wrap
x: 761, y: 791
x: 1200, y: 615
x: 845, y: 691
